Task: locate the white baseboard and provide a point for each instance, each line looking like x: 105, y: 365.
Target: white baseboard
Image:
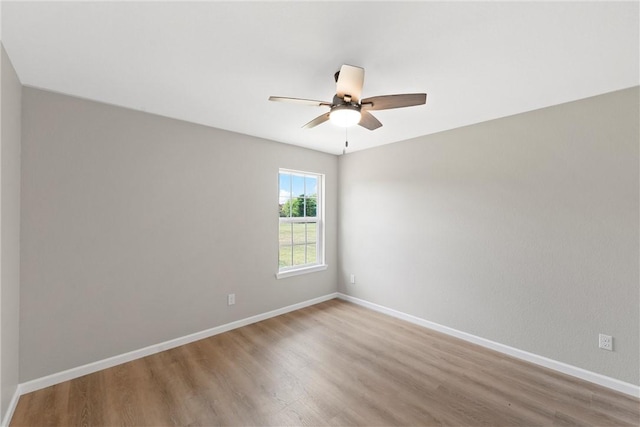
x: 612, y: 383
x: 69, y: 374
x: 12, y: 407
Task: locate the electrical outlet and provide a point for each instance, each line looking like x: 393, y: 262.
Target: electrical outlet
x: 353, y: 279
x: 605, y: 342
x: 231, y: 299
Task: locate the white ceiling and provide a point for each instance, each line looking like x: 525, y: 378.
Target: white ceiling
x: 216, y: 63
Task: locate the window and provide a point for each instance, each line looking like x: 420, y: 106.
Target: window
x: 300, y: 233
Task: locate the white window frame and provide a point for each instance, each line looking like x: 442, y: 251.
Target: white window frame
x: 319, y: 265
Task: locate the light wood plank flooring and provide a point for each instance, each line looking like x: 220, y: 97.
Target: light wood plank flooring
x: 334, y: 363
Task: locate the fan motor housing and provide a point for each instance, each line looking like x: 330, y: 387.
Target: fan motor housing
x: 337, y: 101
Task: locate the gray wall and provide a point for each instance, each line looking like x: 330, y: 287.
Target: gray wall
x: 522, y: 230
x: 9, y: 230
x: 136, y: 227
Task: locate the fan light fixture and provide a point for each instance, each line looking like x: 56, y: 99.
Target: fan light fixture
x: 348, y: 108
x: 344, y: 115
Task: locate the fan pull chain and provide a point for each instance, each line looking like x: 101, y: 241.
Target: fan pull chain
x: 346, y: 141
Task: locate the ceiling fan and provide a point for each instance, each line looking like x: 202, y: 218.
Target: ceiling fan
x: 347, y: 107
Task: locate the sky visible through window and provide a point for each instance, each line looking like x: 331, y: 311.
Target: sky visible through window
x: 296, y: 185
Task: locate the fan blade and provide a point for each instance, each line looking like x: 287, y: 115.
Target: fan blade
x: 368, y: 121
x: 387, y: 102
x: 300, y: 101
x: 350, y: 81
x: 318, y: 120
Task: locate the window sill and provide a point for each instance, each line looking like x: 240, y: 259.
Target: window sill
x: 299, y: 271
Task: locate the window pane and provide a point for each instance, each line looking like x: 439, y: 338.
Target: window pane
x: 284, y: 257
x: 297, y: 185
x: 311, y: 185
x: 311, y: 254
x: 285, y: 185
x: 299, y: 255
x: 286, y: 231
x: 281, y: 202
x: 311, y: 232
x: 299, y: 233
x: 310, y: 205
x: 297, y: 207
x: 285, y: 181
x: 287, y: 208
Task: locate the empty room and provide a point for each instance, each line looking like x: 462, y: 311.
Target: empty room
x: 320, y: 213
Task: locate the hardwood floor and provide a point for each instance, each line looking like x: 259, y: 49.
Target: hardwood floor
x: 334, y: 363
